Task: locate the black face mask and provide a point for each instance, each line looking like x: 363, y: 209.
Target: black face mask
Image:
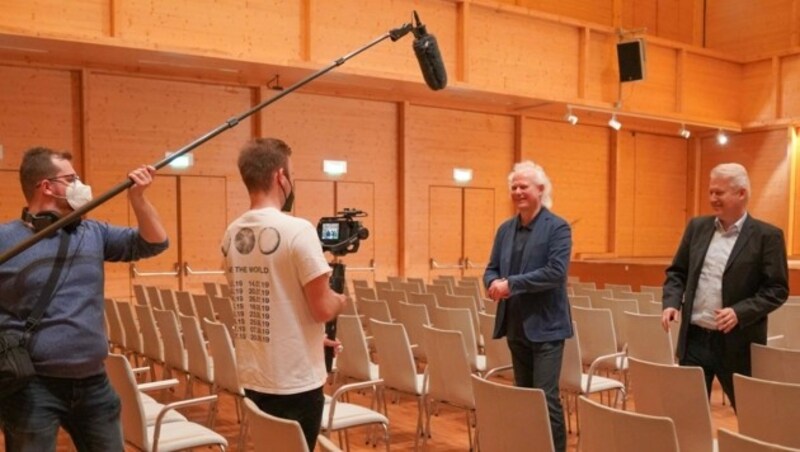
x: 288, y: 202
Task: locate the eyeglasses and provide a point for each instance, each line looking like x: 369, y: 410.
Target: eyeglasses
x: 68, y: 178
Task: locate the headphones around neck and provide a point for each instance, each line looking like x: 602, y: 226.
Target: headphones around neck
x: 45, y: 218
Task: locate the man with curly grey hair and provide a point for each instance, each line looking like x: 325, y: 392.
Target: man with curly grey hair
x: 527, y: 276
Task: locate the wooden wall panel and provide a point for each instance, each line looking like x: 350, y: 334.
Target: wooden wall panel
x: 11, y: 199
x: 711, y: 87
x: 757, y: 92
x: 522, y: 54
x: 658, y: 90
x: 746, y: 28
x: 136, y: 121
x: 38, y: 107
x: 597, y: 11
x: 576, y: 159
x: 623, y: 196
x: 258, y: 31
x: 79, y: 18
x: 341, y: 27
x: 659, y: 195
x: 676, y: 20
x: 437, y: 140
x: 602, y: 73
x: 362, y: 132
x: 790, y: 79
x: 765, y: 155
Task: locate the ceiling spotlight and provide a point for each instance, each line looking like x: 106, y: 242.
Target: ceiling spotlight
x: 722, y: 138
x: 571, y: 117
x: 613, y: 123
x: 684, y: 132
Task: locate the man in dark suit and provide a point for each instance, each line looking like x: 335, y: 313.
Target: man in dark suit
x: 729, y: 272
x: 527, y: 275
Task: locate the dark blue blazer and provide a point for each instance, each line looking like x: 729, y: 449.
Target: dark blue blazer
x: 541, y: 285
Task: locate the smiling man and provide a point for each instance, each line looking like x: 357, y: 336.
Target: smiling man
x: 527, y: 276
x: 729, y: 272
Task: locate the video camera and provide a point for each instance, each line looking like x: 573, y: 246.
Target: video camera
x: 342, y: 234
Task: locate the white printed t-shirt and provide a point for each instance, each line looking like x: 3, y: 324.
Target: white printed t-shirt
x: 269, y: 257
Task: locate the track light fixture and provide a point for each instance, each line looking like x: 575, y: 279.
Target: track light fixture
x: 614, y: 123
x: 684, y: 132
x: 571, y: 117
x: 722, y: 138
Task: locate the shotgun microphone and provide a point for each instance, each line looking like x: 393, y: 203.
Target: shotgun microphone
x: 430, y: 59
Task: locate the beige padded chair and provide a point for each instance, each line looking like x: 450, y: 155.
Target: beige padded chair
x: 168, y: 300
x: 339, y: 416
x: 134, y: 344
x: 211, y: 289
x: 679, y: 393
x: 203, y: 307
x: 185, y: 303
x: 405, y: 286
x: 461, y: 320
x: 161, y: 436
x: 392, y: 298
x: 154, y: 297
x: 498, y: 356
x: 768, y: 410
x: 140, y: 295
x: 397, y: 368
x: 574, y: 382
x: 657, y: 291
x: 581, y: 301
x: 617, y: 288
x: 201, y: 365
x: 599, y: 339
x: 374, y: 309
x: 775, y: 364
x: 354, y: 362
x: 272, y: 433
x: 447, y: 376
x: 605, y: 429
x: 364, y: 292
x: 413, y: 317
x: 736, y: 442
x: 618, y: 309
x: 463, y: 302
x: 439, y: 290
x: 419, y: 282
x: 510, y: 418
x: 226, y: 372
x: 647, y: 339
x: 151, y: 338
x: 116, y: 333
x: 175, y: 356
x: 360, y: 283
x: 382, y: 285
x: 223, y: 308
x: 427, y: 299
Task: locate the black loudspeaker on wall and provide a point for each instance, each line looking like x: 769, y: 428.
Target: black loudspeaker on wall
x: 631, y: 60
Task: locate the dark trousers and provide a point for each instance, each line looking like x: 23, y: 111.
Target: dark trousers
x: 305, y: 408
x: 538, y: 365
x: 705, y: 348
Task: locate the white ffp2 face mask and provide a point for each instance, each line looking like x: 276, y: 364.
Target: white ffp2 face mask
x: 78, y: 194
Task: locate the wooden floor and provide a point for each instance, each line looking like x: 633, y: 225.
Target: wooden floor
x: 449, y: 432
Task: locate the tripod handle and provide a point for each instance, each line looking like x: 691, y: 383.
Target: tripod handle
x: 337, y: 282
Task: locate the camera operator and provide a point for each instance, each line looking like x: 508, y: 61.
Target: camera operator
x: 279, y: 279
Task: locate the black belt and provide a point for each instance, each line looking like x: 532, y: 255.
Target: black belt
x: 701, y: 331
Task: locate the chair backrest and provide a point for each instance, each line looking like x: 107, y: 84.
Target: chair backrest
x: 203, y: 307
x: 200, y: 363
x: 174, y: 350
x: 458, y: 320
x: 226, y: 374
x: 375, y: 309
x: 353, y: 362
x: 154, y: 297
x: 419, y: 282
x: 606, y: 429
x: 116, y: 333
x: 679, y: 393
x: 210, y: 289
x: 736, y: 442
x: 383, y: 285
x: 273, y: 433
x: 360, y: 283
x: 140, y: 295
x: 618, y: 309
x: 168, y: 300
x: 581, y: 301
x: 578, y: 285
x: 134, y: 424
x: 185, y: 303
x: 428, y: 299
x: 463, y: 302
x: 439, y: 290
x: 768, y: 410
x: 133, y: 338
x: 597, y: 332
x: 405, y: 287
x: 392, y: 297
x: 775, y: 364
x: 784, y: 320
x: 223, y: 308
x: 657, y: 291
x: 397, y: 368
x: 571, y: 375
x: 394, y: 279
x: 413, y: 317
x: 644, y: 301
x: 448, y: 368
x: 496, y: 350
x: 500, y: 432
x: 617, y: 288
x: 151, y: 338
x: 364, y: 292
x: 595, y: 294
x: 647, y: 339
